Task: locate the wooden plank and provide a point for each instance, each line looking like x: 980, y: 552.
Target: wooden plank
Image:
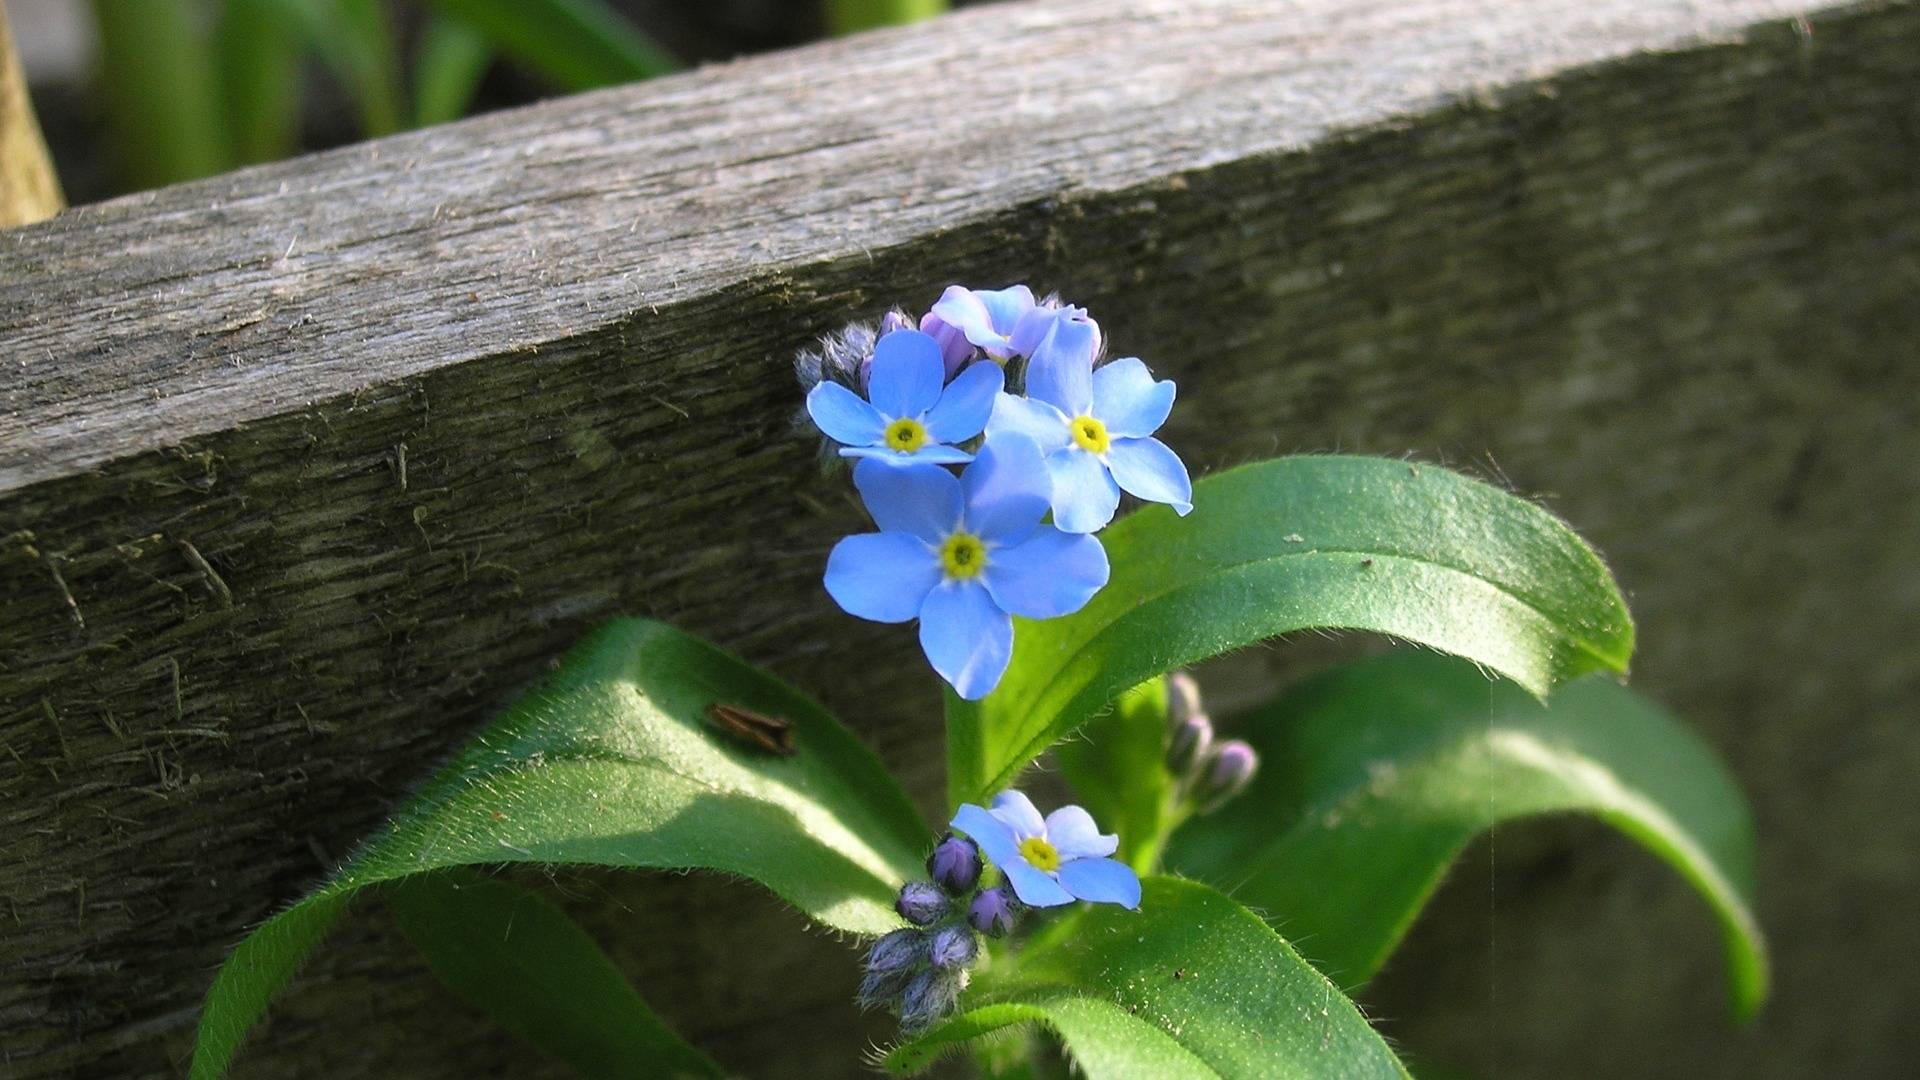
x: 305, y: 469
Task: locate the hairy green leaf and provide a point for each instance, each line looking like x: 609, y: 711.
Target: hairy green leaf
x: 1296, y: 543
x: 1118, y: 772
x: 538, y: 974
x: 613, y: 763
x: 1191, y: 985
x: 1375, y: 776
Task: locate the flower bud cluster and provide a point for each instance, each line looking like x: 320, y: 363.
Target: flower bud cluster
x: 918, y: 972
x: 1209, y: 772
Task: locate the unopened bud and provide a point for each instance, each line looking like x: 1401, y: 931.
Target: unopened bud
x: 955, y: 865
x: 1190, y: 742
x: 955, y: 349
x: 994, y: 912
x: 921, y: 903
x: 1183, y: 698
x: 892, y: 962
x: 896, y: 320
x: 1228, y: 773
x: 929, y: 998
x: 953, y: 946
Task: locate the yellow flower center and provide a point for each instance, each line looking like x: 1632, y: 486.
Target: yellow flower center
x: 1091, y: 434
x: 906, y: 435
x: 963, y: 556
x: 1041, y: 854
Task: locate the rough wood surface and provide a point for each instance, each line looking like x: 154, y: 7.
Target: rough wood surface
x: 304, y: 470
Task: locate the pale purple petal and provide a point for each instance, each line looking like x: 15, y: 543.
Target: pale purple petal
x: 986, y: 317
x: 923, y: 501
x: 843, y: 417
x: 882, y: 576
x: 1031, y: 330
x: 1148, y: 470
x: 1073, y: 834
x: 1128, y: 401
x: 1005, y: 306
x: 1034, y: 888
x: 1037, y: 420
x: 1007, y: 490
x: 966, y: 638
x: 1084, y: 496
x: 965, y: 404
x: 1050, y: 573
x: 1061, y: 371
x: 930, y: 454
x: 955, y: 349
x: 996, y: 841
x: 1102, y: 881
x: 907, y: 374
x: 1018, y: 813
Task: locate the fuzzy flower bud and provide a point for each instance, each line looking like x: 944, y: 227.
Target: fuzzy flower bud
x: 1183, y: 698
x: 892, y: 962
x: 929, y: 998
x: 994, y: 912
x: 1228, y: 771
x: 921, y: 903
x: 955, y: 865
x: 896, y: 320
x: 953, y: 946
x: 1189, y: 744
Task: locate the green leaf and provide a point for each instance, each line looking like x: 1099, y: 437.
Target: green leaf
x: 163, y: 98
x: 538, y: 975
x: 1117, y: 767
x: 1375, y: 777
x: 259, y: 57
x: 579, y: 44
x: 613, y: 763
x: 850, y: 16
x: 451, y: 60
x: 1191, y: 985
x: 1297, y: 543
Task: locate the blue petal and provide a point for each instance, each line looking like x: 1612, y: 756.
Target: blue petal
x: 1128, y: 401
x: 965, y: 404
x: 1148, y: 470
x: 1006, y: 306
x: 1084, y: 496
x: 1061, y: 371
x: 1007, y: 490
x: 1034, y: 888
x: 955, y: 349
x: 843, y: 417
x: 907, y: 374
x: 1037, y: 420
x: 966, y: 639
x: 1102, y: 881
x: 1050, y: 573
x: 923, y: 501
x: 1031, y: 330
x: 1017, y: 813
x: 996, y: 841
x: 986, y: 318
x: 1073, y: 834
x: 930, y: 454
x: 882, y: 576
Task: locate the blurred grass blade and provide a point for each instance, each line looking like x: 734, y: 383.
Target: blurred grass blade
x: 539, y: 975
x: 1377, y: 775
x: 452, y: 59
x: 163, y: 101
x: 260, y: 60
x: 851, y: 16
x: 613, y: 763
x: 354, y: 39
x: 1292, y: 544
x: 1190, y: 986
x: 579, y: 44
x: 1117, y: 766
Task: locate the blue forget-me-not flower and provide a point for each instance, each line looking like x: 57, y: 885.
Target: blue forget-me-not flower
x: 912, y: 415
x: 1053, y: 860
x: 963, y: 555
x: 1003, y: 323
x: 1095, y: 427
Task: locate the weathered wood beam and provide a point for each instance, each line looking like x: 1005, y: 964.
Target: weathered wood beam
x: 305, y: 469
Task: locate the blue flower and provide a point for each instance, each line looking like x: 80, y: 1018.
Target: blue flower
x: 1095, y: 429
x: 963, y: 555
x: 1003, y: 322
x: 908, y: 418
x: 1053, y: 861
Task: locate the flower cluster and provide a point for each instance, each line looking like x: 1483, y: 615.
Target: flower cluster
x: 1043, y: 469
x: 1207, y: 773
x: 919, y: 971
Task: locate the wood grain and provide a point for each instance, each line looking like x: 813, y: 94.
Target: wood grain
x: 304, y: 470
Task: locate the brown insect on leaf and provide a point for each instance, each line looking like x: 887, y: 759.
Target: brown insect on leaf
x: 767, y: 734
